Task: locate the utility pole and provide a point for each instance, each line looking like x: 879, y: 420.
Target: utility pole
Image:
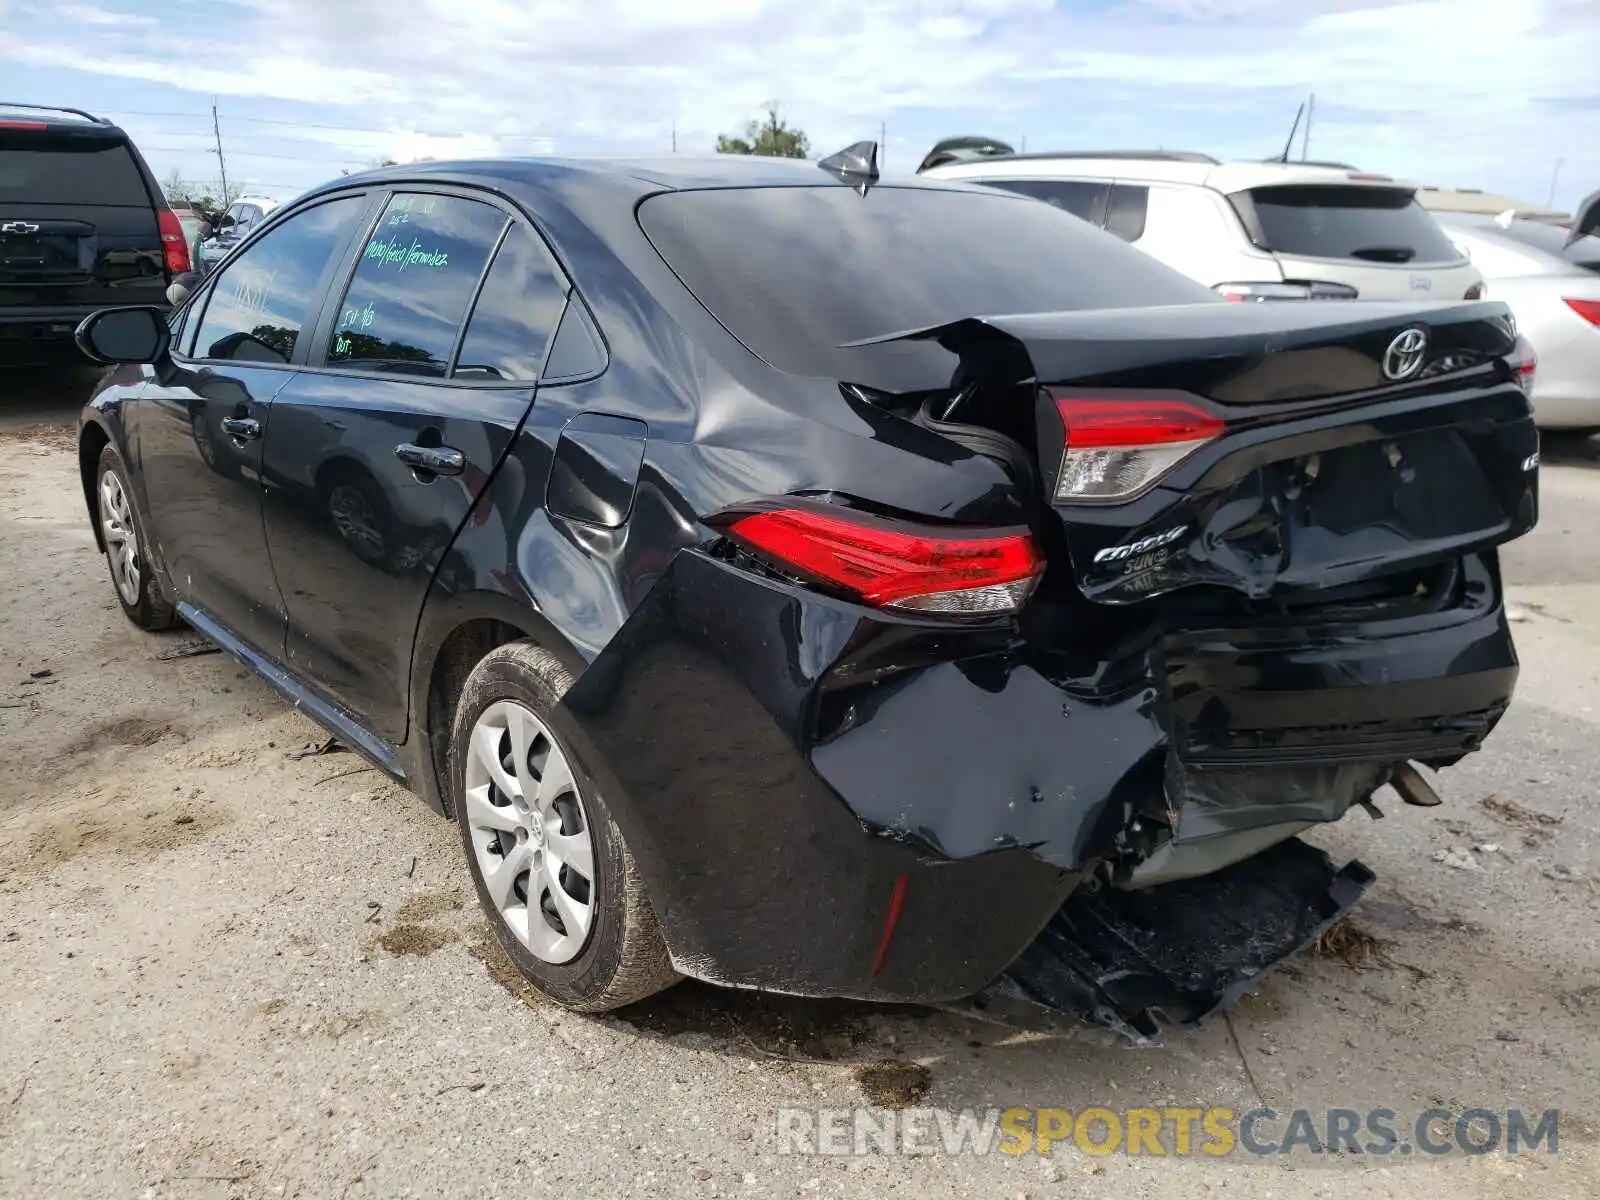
x: 222, y: 164
x: 1305, y: 141
x: 1550, y: 201
x: 674, y: 135
x: 883, y: 143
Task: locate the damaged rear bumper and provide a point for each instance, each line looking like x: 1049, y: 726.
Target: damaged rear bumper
x: 829, y: 800
x: 1128, y: 962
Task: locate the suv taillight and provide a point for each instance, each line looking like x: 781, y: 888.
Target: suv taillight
x: 1116, y: 448
x: 1313, y: 289
x: 1476, y: 292
x: 174, y: 245
x: 956, y: 572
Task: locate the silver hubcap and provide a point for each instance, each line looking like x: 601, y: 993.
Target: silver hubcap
x: 122, y: 543
x: 530, y: 833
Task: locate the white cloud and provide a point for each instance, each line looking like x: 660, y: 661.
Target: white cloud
x: 1454, y: 90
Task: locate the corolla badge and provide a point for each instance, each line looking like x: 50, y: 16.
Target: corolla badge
x: 1143, y: 546
x: 1405, y: 355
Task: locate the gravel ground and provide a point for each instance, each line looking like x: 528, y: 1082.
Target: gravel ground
x: 231, y: 971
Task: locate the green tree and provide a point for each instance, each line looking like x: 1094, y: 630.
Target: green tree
x: 770, y: 137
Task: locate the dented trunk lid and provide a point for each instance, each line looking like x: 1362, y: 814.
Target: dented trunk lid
x: 1343, y: 443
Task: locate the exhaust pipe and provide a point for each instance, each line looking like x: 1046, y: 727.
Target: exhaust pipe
x: 1413, y: 788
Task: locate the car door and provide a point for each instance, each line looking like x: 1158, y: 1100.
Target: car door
x: 200, y: 428
x: 377, y: 451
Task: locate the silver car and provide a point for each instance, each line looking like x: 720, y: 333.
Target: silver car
x: 1550, y: 277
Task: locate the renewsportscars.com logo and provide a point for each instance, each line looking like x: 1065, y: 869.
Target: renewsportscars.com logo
x: 1166, y: 1132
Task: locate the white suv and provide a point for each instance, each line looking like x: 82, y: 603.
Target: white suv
x: 1250, y: 230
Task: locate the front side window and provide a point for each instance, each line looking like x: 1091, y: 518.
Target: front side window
x: 417, y: 273
x: 516, y: 313
x: 261, y: 302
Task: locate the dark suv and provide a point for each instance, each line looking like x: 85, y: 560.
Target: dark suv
x: 814, y: 584
x: 83, y: 224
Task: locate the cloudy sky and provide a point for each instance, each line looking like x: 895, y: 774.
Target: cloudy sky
x: 1485, y: 93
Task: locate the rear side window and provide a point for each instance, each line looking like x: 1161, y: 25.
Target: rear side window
x: 1126, y: 210
x: 1380, y: 225
x: 260, y: 303
x: 408, y: 297
x: 516, y: 313
x: 44, y: 169
x: 1084, y: 200
x: 795, y: 272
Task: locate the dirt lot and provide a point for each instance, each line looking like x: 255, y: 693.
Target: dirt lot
x: 232, y: 971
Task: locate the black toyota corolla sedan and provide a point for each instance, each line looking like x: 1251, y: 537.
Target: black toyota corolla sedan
x: 807, y: 581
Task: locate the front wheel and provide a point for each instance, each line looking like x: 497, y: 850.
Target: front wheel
x: 131, y: 576
x: 551, y: 868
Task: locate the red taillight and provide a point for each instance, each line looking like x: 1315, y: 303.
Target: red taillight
x: 173, y: 242
x: 1475, y: 292
x: 1116, y: 448
x: 23, y: 125
x: 905, y: 566
x: 1589, y: 310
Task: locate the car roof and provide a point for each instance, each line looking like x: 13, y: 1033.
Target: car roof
x: 1220, y: 176
x: 642, y: 174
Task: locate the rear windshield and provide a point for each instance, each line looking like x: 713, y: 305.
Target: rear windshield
x: 1379, y: 225
x: 794, y: 272
x: 1552, y: 239
x: 40, y: 169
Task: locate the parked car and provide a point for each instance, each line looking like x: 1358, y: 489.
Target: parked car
x: 242, y: 217
x: 825, y: 631
x: 83, y: 224
x: 1250, y: 230
x: 1550, y: 279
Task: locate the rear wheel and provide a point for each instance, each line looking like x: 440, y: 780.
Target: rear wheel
x: 551, y: 868
x: 131, y: 577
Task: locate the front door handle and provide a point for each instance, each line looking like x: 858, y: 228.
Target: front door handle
x: 435, y: 460
x: 246, y: 429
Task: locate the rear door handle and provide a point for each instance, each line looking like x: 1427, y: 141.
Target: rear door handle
x: 246, y: 429
x: 435, y: 460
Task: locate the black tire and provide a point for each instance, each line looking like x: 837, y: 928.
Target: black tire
x: 624, y: 958
x: 149, y: 609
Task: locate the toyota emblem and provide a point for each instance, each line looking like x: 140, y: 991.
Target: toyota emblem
x: 1405, y: 354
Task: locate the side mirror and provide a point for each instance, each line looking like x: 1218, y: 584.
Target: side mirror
x: 227, y: 222
x: 124, y: 335
x: 182, y: 287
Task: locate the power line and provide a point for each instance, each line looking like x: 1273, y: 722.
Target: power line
x: 253, y: 154
x: 130, y: 112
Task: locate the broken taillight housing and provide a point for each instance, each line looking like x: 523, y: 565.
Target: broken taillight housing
x: 1524, y: 363
x: 926, y: 569
x: 1115, y: 448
